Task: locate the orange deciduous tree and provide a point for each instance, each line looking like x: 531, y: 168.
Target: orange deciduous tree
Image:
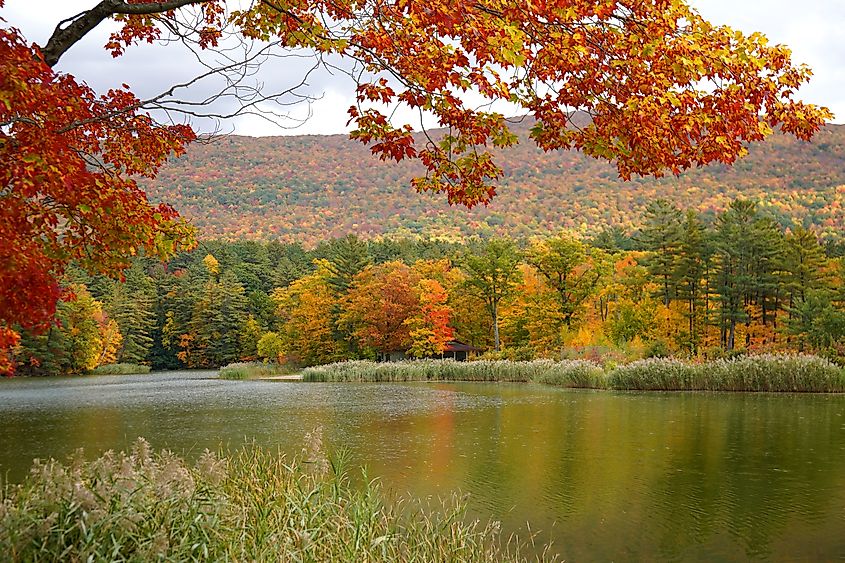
x: 430, y: 329
x: 379, y: 305
x: 67, y: 158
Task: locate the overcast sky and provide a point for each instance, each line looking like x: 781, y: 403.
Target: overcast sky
x: 812, y: 28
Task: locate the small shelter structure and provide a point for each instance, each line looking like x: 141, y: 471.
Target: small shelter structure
x: 457, y: 350
x: 454, y: 350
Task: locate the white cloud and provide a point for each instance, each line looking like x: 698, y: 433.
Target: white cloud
x: 812, y: 29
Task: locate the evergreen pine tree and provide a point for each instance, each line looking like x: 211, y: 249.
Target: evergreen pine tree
x: 132, y: 305
x: 733, y: 267
x: 690, y: 276
x: 803, y: 275
x: 661, y: 237
x: 346, y: 257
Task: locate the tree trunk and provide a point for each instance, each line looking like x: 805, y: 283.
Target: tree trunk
x: 496, y: 327
x: 692, y: 325
x: 732, y: 335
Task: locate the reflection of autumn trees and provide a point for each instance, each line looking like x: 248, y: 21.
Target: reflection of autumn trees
x: 671, y: 476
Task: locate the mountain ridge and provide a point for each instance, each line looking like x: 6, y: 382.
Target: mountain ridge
x: 309, y: 187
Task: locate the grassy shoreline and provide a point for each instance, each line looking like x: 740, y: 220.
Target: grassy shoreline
x: 120, y: 369
x: 763, y: 373
x: 255, y: 370
x: 251, y: 506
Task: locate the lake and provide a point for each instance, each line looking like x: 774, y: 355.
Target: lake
x: 605, y: 475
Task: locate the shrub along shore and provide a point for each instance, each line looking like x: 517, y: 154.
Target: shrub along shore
x: 120, y: 369
x: 255, y: 370
x: 768, y: 373
x: 252, y: 506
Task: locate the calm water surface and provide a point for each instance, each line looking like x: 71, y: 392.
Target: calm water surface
x: 606, y: 476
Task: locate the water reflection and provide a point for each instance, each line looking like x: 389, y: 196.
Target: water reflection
x: 605, y: 475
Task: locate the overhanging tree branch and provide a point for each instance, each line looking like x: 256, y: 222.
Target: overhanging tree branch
x: 65, y: 37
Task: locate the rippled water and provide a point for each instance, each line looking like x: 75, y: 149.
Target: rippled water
x: 606, y: 476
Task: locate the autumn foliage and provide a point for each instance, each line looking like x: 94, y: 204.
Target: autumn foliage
x: 305, y: 188
x: 384, y: 323
x: 683, y: 285
x: 430, y: 328
x: 306, y: 307
x: 67, y: 161
x: 69, y: 157
x: 634, y: 67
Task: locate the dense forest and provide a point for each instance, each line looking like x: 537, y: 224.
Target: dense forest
x: 682, y: 284
x: 301, y: 189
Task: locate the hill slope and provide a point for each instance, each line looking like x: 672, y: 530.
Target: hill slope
x: 307, y: 188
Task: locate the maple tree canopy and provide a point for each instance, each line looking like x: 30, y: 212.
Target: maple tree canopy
x: 647, y: 84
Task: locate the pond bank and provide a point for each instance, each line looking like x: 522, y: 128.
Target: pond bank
x: 293, y: 377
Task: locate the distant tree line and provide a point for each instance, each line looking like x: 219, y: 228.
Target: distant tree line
x: 683, y: 285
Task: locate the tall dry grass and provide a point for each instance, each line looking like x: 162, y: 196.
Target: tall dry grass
x: 255, y: 505
x: 771, y: 373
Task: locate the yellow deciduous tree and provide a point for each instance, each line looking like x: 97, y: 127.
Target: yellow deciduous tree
x: 307, y: 323
x: 430, y: 329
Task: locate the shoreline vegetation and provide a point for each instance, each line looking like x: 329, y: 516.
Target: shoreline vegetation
x: 255, y: 370
x: 762, y: 373
x: 699, y: 286
x: 120, y: 369
x: 254, y: 505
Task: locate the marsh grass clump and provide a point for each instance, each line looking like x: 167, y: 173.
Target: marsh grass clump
x: 766, y: 372
x: 120, y: 369
x: 365, y: 370
x: 253, y: 370
x: 566, y: 373
x: 653, y: 374
x: 430, y: 370
x: 583, y: 374
x: 774, y: 373
x: 252, y: 506
x: 493, y: 370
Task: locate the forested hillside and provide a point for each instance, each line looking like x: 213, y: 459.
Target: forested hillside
x: 739, y: 284
x: 306, y: 188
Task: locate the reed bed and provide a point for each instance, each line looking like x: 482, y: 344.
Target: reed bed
x: 252, y: 506
x: 571, y: 373
x: 766, y: 373
x: 253, y: 370
x: 810, y: 374
x: 763, y: 373
x: 654, y: 374
x: 120, y: 369
x: 581, y: 374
